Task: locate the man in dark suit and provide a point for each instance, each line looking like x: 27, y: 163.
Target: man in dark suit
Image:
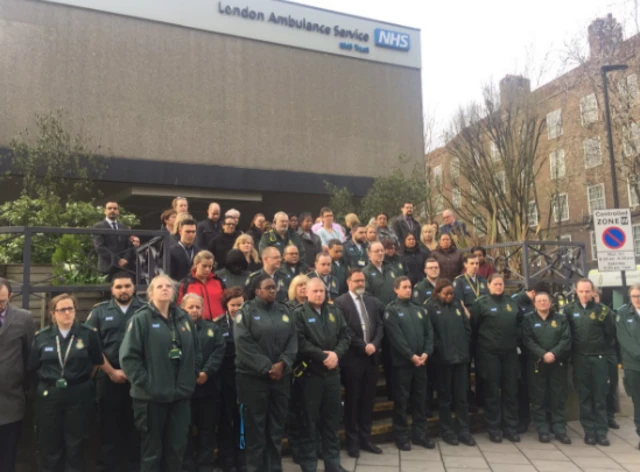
x: 404, y: 224
x: 209, y: 228
x: 16, y: 334
x: 115, y: 252
x: 181, y: 254
x: 359, y: 366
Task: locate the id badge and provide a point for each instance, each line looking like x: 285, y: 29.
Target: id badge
x: 175, y: 354
x: 361, y: 263
x: 61, y: 383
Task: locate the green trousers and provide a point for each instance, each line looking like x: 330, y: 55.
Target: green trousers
x: 318, y: 397
x: 201, y: 437
x: 163, y: 431
x: 500, y: 373
x: 63, y: 417
x: 452, y: 382
x: 632, y: 387
x: 524, y: 402
x: 591, y: 378
x: 548, y: 390
x: 265, y: 405
x: 409, y: 388
x: 613, y: 400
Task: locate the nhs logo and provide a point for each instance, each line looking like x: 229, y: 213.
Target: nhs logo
x: 392, y: 39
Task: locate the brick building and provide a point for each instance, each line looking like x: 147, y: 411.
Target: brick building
x: 573, y: 144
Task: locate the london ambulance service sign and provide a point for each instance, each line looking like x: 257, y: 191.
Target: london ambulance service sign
x: 614, y: 240
x: 284, y: 23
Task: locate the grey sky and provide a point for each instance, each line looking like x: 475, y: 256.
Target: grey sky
x: 466, y: 43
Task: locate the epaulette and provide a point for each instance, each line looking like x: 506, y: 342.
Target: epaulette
x: 257, y: 272
x: 101, y: 303
x: 458, y: 277
x: 43, y: 330
x: 88, y: 328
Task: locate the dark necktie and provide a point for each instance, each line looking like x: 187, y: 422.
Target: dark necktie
x: 114, y: 225
x: 365, y: 320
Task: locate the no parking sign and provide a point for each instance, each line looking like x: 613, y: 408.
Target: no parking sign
x: 614, y: 240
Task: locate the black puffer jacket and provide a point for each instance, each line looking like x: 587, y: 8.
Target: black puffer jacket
x: 413, y: 259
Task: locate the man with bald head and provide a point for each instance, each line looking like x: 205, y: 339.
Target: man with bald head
x: 452, y: 226
x: 280, y: 236
x: 272, y: 262
x: 209, y: 228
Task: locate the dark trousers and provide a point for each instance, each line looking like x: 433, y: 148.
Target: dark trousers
x: 591, y: 378
x: 63, y: 425
x: 613, y: 400
x: 9, y: 437
x: 631, y: 383
x: 548, y: 384
x: 229, y: 419
x: 359, y: 377
x: 410, y: 388
x: 163, y: 430
x: 452, y: 384
x: 387, y: 367
x: 265, y: 404
x: 200, y: 439
x: 319, y: 397
x: 119, y: 439
x: 500, y: 374
x: 524, y: 402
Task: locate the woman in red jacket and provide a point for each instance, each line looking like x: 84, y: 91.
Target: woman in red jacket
x: 202, y: 281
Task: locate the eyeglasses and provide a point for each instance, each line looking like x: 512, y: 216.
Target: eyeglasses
x: 270, y: 288
x: 68, y: 309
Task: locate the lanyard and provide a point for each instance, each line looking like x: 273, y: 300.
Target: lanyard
x: 188, y: 252
x: 172, y: 328
x: 476, y: 289
x: 63, y: 361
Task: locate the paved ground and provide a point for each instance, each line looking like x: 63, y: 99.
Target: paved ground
x: 526, y: 456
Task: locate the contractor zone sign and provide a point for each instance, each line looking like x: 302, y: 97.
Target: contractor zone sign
x: 614, y: 240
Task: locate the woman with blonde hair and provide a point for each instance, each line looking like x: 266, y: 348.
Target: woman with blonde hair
x: 180, y: 204
x: 350, y: 220
x: 161, y: 356
x: 297, y: 291
x: 428, y: 237
x: 246, y: 245
x: 65, y: 356
x: 371, y: 233
x: 204, y: 282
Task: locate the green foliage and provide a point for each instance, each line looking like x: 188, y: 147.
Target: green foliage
x: 73, y: 266
x: 341, y: 200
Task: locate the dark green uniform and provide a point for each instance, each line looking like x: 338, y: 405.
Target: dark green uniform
x: 496, y: 320
x: 280, y: 277
x: 161, y: 387
x: 272, y: 238
x: 452, y: 338
x: 340, y: 270
x: 119, y: 439
x: 410, y: 333
x: 422, y: 292
x: 467, y: 290
x: 592, y: 332
x: 204, y: 402
x: 330, y: 284
x: 318, y: 389
x: 355, y: 256
x: 63, y: 413
x: 229, y: 415
x: 233, y: 280
x: 299, y: 269
x: 628, y: 334
x: 524, y: 410
x: 396, y: 264
x: 264, y: 334
x: 547, y: 382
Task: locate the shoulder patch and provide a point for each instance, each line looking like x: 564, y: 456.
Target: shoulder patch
x: 386, y: 315
x: 238, y: 318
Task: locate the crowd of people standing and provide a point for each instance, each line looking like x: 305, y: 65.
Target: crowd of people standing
x: 251, y: 335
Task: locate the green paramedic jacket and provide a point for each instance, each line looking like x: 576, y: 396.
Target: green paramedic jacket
x: 628, y: 333
x: 592, y: 328
x: 451, y: 331
x: 541, y: 336
x: 409, y: 330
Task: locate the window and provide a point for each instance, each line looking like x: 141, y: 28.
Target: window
x: 589, y: 109
x: 501, y: 181
x: 495, y: 152
x: 592, y: 152
x: 532, y: 214
x: 632, y: 185
x: 560, y: 207
x: 594, y: 247
x: 566, y: 238
x: 556, y: 161
x: 439, y: 204
x: 596, y: 198
x: 636, y: 239
x: 628, y: 90
x: 456, y: 198
x: 478, y: 224
x: 437, y: 176
x: 454, y: 171
x: 631, y: 140
x: 554, y: 124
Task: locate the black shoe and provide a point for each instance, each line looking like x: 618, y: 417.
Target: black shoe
x: 495, y: 437
x: 427, y: 443
x: 353, y: 453
x: 370, y: 447
x: 613, y: 424
x: 603, y: 442
x: 563, y: 438
x: 320, y: 456
x: 513, y: 437
x: 544, y: 438
x: 451, y: 440
x: 590, y: 440
x: 404, y: 446
x: 467, y: 440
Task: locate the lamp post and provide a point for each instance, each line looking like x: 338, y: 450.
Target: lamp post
x: 604, y: 70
